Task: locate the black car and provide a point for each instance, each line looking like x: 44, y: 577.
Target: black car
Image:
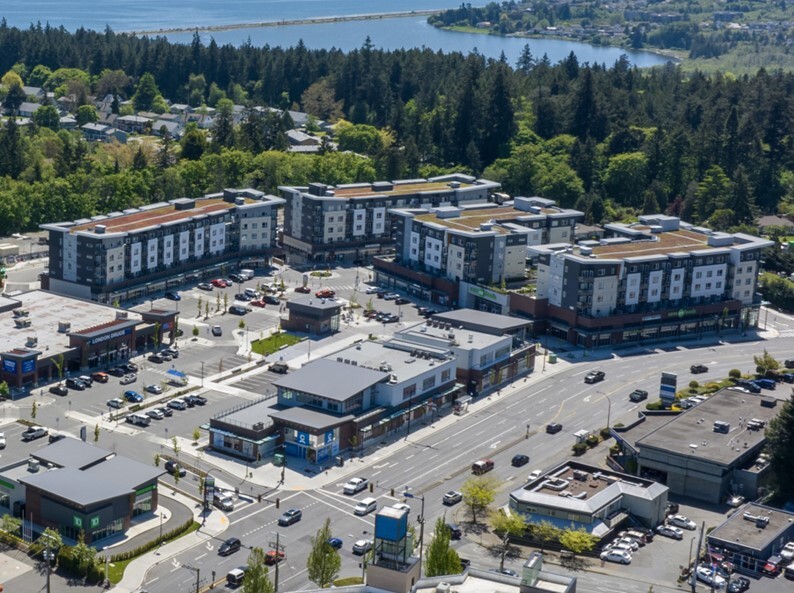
x: 236, y: 278
x: 401, y: 301
x: 455, y: 531
x: 75, y: 384
x: 638, y: 395
x: 519, y: 460
x: 173, y: 467
x: 696, y: 369
x: 117, y: 371
x: 279, y: 367
x: 671, y: 508
x: 594, y: 376
x: 738, y: 585
x: 59, y: 390
x: 242, y: 297
x: 289, y: 517
x: 54, y: 438
x: 158, y: 358
x: 750, y: 386
x: 271, y: 300
x: 230, y: 546
x: 197, y: 400
x: 238, y: 310
x: 553, y: 427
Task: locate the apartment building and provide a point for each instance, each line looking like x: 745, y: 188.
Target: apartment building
x: 658, y: 278
x: 141, y: 251
x: 350, y: 223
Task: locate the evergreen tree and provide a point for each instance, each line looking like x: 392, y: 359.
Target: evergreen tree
x: 742, y: 201
x: 145, y: 93
x: 256, y: 578
x: 193, y: 143
x: 223, y: 126
x: 323, y: 563
x: 12, y: 156
x: 440, y: 558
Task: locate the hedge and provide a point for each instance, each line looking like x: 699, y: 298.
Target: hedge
x: 135, y: 552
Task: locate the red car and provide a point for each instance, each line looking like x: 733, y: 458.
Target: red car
x: 303, y: 289
x: 258, y: 303
x: 219, y: 283
x: 272, y: 557
x: 324, y: 293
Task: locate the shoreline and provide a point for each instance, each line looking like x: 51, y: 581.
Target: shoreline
x: 321, y: 20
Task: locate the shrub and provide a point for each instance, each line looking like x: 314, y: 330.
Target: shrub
x: 604, y: 432
x: 579, y: 448
x: 735, y: 374
x: 693, y: 385
x: 657, y: 405
x: 592, y: 441
x: 134, y: 553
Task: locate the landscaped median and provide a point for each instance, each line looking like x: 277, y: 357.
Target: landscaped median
x: 275, y: 342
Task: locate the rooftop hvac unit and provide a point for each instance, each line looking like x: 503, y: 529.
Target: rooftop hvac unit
x: 32, y: 342
x: 122, y: 315
x: 20, y: 313
x: 33, y: 465
x: 258, y: 426
x: 64, y: 327
x: 443, y: 587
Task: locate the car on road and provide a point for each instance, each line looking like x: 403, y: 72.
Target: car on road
x: 452, y: 497
x: 709, y: 576
x: 553, y: 427
x: 670, y: 531
x: 177, y: 404
x: 205, y: 286
x: 455, y: 532
x: 155, y: 413
x: 230, y: 546
x: 75, y: 384
x: 638, y: 395
x: 789, y: 363
x: 401, y: 506
x: 2, y: 440
x: 519, y: 460
x: 217, y: 331
x: 697, y: 369
x: 133, y: 396
x: 289, y: 517
x: 173, y: 296
x: 173, y: 467
x: 128, y: 378
x: 33, y: 433
x: 738, y: 585
x: 117, y: 371
x: 682, y: 521
x: 335, y: 543
x: 534, y: 475
x: 355, y: 485
x: 155, y: 389
x: 391, y: 296
x: 272, y: 557
x: 59, y: 389
x: 166, y: 355
x: 325, y: 293
x: 362, y: 546
x: 619, y: 556
x: 594, y: 376
x: 303, y: 289
x: 157, y: 358
x: 115, y: 403
x: 219, y: 283
x: 506, y: 571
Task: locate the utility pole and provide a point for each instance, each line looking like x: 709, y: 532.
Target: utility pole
x: 697, y: 556
x: 198, y: 575
x: 49, y: 564
x: 278, y: 551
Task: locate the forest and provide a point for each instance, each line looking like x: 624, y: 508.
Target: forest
x: 613, y: 141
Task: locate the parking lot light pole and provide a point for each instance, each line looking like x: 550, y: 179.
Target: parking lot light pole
x: 408, y: 494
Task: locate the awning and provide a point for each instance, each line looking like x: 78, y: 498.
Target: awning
x: 176, y: 373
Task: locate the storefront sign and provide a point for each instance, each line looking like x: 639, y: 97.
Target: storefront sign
x: 651, y: 317
x: 482, y: 293
x: 329, y: 437
x: 9, y: 366
x: 28, y: 366
x: 94, y: 522
x: 303, y: 438
x: 685, y: 312
x: 77, y: 521
x: 110, y: 336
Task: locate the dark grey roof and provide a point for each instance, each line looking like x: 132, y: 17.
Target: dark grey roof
x: 72, y: 453
x: 310, y: 418
x: 333, y: 380
x: 736, y: 531
x: 481, y: 318
x: 75, y: 486
x: 125, y: 471
x: 314, y: 303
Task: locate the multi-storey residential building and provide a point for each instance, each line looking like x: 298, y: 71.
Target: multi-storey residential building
x: 658, y: 278
x: 352, y: 222
x: 480, y: 244
x: 130, y: 254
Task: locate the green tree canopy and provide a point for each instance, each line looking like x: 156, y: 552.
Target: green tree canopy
x: 440, y: 559
x: 505, y: 524
x: 256, y: 578
x: 47, y: 116
x: 324, y: 562
x: 478, y: 493
x: 578, y: 540
x: 766, y: 362
x: 145, y: 93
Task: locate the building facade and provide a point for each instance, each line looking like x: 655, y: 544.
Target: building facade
x: 350, y: 223
x: 131, y: 254
x: 660, y: 278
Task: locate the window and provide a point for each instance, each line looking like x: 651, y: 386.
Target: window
x: 719, y: 272
x: 748, y: 281
x: 698, y: 274
x: 708, y: 274
x: 409, y: 391
x: 428, y: 383
x: 602, y: 272
x: 697, y: 286
x: 718, y: 285
x: 654, y: 292
x: 445, y: 375
x: 708, y: 285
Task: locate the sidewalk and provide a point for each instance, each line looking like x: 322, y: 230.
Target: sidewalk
x: 216, y: 523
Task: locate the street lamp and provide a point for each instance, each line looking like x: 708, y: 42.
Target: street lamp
x: 609, y: 408
x: 408, y: 494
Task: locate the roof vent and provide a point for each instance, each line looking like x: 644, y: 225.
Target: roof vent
x: 64, y: 327
x: 32, y: 342
x: 239, y: 201
x: 454, y: 184
x: 471, y: 338
x: 100, y: 229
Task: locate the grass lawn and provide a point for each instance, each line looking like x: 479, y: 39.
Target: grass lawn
x: 116, y: 569
x: 274, y: 343
x: 348, y: 581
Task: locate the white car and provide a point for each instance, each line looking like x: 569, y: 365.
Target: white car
x: 787, y: 553
x: 362, y: 546
x: 355, y: 485
x: 115, y: 403
x: 534, y: 475
x: 371, y: 289
x: 619, y: 546
x: 155, y: 413
x: 670, y: 531
x: 709, y: 576
x: 631, y: 543
x: 402, y: 507
x: 2, y: 440
x: 682, y: 521
x: 619, y: 556
x: 178, y: 404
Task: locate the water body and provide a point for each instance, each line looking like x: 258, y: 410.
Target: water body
x: 387, y: 33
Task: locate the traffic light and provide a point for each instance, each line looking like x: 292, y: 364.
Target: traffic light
x: 278, y: 502
x: 371, y: 487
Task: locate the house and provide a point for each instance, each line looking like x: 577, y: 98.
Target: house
x: 108, y: 119
x: 766, y: 222
x: 35, y: 92
x: 67, y: 122
x: 180, y: 108
x: 133, y: 124
x: 97, y: 132
x: 173, y: 128
x: 298, y: 138
x: 27, y: 109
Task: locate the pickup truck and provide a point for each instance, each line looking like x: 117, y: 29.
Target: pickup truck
x: 33, y: 433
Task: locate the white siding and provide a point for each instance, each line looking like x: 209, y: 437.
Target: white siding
x: 217, y: 237
x: 359, y: 222
x: 378, y: 221
x: 184, y: 245
x: 556, y: 272
x: 655, y: 284
x: 605, y: 295
x: 198, y: 242
x: 151, y: 254
x: 414, y: 249
x: 677, y: 276
x: 135, y: 257
x: 632, y: 289
x: 114, y: 264
x: 433, y: 252
x: 455, y: 262
x: 168, y: 250
x: 708, y: 280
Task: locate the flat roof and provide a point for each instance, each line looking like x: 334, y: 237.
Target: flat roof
x: 45, y: 311
x: 481, y: 318
x: 70, y: 452
x: 247, y: 415
x: 331, y: 379
x: 126, y: 472
x: 398, y: 361
x: 695, y: 427
x: 315, y: 303
x: 315, y: 419
x: 399, y: 190
x: 738, y: 531
x: 463, y: 339
x: 469, y: 220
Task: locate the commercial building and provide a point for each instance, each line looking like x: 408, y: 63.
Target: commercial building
x: 313, y: 315
x: 588, y: 497
x: 73, y: 487
x: 350, y: 223
x: 142, y: 251
x: 483, y: 244
x: 659, y: 278
x: 709, y: 452
x: 45, y: 336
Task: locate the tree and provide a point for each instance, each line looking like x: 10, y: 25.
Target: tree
x: 626, y: 177
x: 506, y: 524
x: 175, y: 446
x: 193, y: 143
x: 84, y: 555
x: 324, y: 562
x: 49, y: 537
x: 96, y: 433
x: 256, y: 578
x: 766, y: 362
x: 478, y: 493
x: 10, y: 525
x: 780, y: 445
x: 320, y: 101
x: 545, y: 532
x: 713, y: 192
x: 157, y: 460
x: 145, y: 93
x: 86, y: 114
x: 223, y: 126
x: 5, y: 391
x: 195, y: 331
x: 578, y: 540
x: 196, y: 434
x: 47, y: 116
x: 440, y: 559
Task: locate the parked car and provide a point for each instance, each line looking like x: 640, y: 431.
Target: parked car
x: 362, y: 546
x: 638, y: 395
x: 155, y: 389
x: 289, y: 517
x: 54, y: 438
x: 696, y: 369
x: 178, y: 404
x: 117, y: 371
x: 219, y: 283
x: 455, y: 532
x: 272, y: 557
x: 506, y: 571
x: 195, y: 400
x: 205, y: 286
x: 671, y: 508
x: 217, y: 330
x: 258, y: 303
x: 139, y: 419
x: 553, y: 427
x: 278, y: 367
x: 735, y: 501
x: 238, y: 310
x: 165, y: 411
x: 75, y: 384
x: 86, y: 380
x: 632, y: 544
x: 787, y: 553
x: 33, y: 433
x: 773, y: 566
x: 242, y: 297
x: 173, y: 296
x: 133, y: 397
x: 452, y: 497
x: 100, y: 377
x: 325, y: 293
x: 401, y: 301
x: 355, y: 485
x: 709, y: 576
x: 401, y: 506
x: 594, y: 376
x: 738, y: 585
x: 59, y: 389
x: 534, y: 475
x: 391, y: 296
x: 375, y: 289
x: 130, y: 367
x: 670, y: 531
x: 519, y: 460
x: 335, y: 543
x: 115, y: 403
x: 619, y: 556
x: 2, y: 440
x: 271, y: 300
x: 230, y: 546
x: 172, y: 467
x: 129, y: 378
x: 682, y: 521
x: 157, y: 358
x: 155, y: 413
